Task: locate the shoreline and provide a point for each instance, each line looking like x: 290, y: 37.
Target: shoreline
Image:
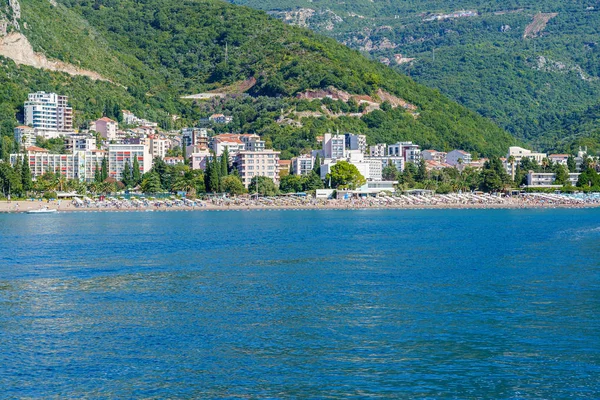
x: 23, y: 206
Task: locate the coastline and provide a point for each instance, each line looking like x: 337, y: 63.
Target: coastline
x: 23, y: 206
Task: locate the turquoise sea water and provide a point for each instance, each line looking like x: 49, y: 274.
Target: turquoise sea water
x: 310, y: 304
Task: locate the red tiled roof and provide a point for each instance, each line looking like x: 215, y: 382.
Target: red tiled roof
x: 105, y: 119
x: 36, y: 149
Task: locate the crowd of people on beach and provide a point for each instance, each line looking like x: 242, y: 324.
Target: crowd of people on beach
x: 400, y: 201
x: 479, y: 200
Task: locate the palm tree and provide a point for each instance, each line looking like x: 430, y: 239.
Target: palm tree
x: 546, y: 163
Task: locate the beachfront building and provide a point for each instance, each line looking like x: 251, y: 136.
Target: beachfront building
x: 257, y: 163
x: 378, y: 150
x: 395, y: 161
x: 48, y: 111
x: 356, y: 142
x: 434, y: 155
x: 79, y: 165
x: 25, y: 136
x: 547, y: 179
x: 518, y: 153
x: 456, y: 157
x: 334, y: 146
x: 369, y: 167
x: 303, y: 164
x: 408, y: 150
x: 119, y: 154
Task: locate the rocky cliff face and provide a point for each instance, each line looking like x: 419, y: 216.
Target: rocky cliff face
x: 10, y: 13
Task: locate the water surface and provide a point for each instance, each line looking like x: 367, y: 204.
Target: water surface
x: 383, y: 304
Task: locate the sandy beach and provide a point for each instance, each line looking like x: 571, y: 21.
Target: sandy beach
x: 23, y: 206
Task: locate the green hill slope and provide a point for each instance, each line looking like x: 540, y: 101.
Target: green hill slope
x: 526, y: 64
x: 158, y: 50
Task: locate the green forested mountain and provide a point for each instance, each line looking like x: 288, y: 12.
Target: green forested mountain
x: 156, y: 51
x: 526, y: 64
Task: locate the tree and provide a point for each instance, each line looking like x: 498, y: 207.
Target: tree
x: 135, y: 173
x: 390, y: 173
x: 151, y: 183
x: 291, y: 184
x: 232, y: 184
x: 495, y: 177
x: 344, y: 175
x: 97, y: 173
x: 126, y: 176
x: 214, y: 176
x: 104, y: 170
x: 571, y: 164
x: 189, y: 182
x: 408, y: 175
x: 262, y: 185
x: 26, y: 180
x: 317, y: 166
x: 224, y: 163
x: 562, y: 175
x: 421, y: 171
x: 312, y: 181
x: 161, y: 168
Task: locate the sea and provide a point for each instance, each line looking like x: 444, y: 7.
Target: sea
x: 436, y: 304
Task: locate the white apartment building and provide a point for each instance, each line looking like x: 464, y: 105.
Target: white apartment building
x: 356, y: 142
x: 25, y: 136
x: 303, y: 164
x: 228, y: 141
x: 80, y: 165
x: 369, y: 167
x: 560, y: 159
x: 547, y: 179
x: 252, y: 142
x: 395, y: 161
x: 82, y: 142
x: 519, y: 153
x: 119, y: 154
x: 257, y: 163
x: 378, y: 150
x: 48, y: 111
x: 408, y: 150
x: 456, y: 157
x: 334, y: 146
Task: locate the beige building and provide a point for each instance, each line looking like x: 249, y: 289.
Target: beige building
x: 106, y: 127
x: 257, y: 163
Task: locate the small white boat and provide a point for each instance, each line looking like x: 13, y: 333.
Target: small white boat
x: 44, y: 210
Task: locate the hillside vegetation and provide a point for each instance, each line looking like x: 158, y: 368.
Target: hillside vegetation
x: 156, y: 51
x: 526, y: 64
